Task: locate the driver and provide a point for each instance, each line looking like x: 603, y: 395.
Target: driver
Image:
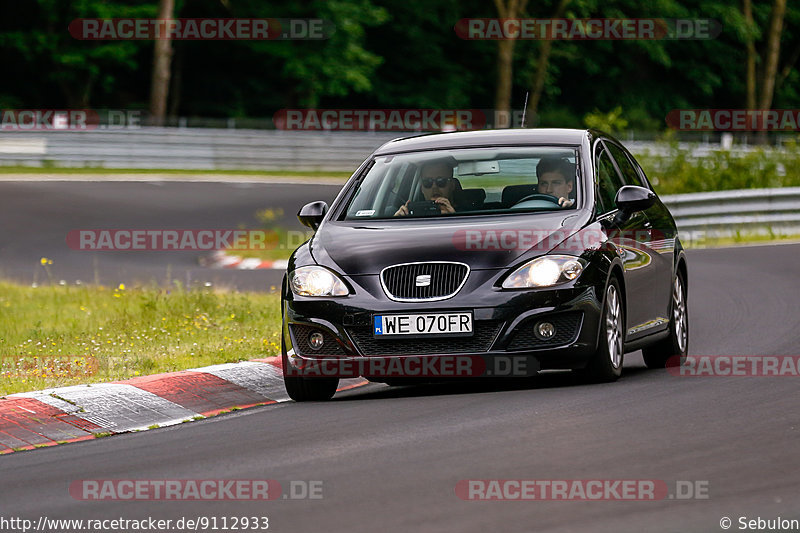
x: 438, y: 186
x: 556, y: 178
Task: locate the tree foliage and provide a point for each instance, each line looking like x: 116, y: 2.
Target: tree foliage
x: 390, y: 54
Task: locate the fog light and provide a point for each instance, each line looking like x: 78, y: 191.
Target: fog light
x: 545, y: 330
x: 316, y: 340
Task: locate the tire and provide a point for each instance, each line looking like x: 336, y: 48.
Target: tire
x: 676, y: 346
x: 310, y: 389
x: 302, y: 389
x: 606, y: 363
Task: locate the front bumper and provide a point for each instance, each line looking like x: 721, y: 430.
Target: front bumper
x: 504, y: 323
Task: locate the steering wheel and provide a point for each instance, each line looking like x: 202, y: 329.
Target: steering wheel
x: 537, y: 196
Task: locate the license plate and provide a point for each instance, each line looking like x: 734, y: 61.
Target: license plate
x: 453, y: 324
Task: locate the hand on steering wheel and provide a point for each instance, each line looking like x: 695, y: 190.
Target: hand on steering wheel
x: 539, y: 196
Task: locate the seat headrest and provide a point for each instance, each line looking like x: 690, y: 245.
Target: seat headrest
x: 469, y: 197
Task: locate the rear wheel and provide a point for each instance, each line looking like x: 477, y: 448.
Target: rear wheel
x: 677, y: 344
x: 606, y: 363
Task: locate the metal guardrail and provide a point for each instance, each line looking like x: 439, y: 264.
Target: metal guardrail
x: 742, y: 211
x: 204, y: 149
x: 755, y: 211
x: 218, y: 149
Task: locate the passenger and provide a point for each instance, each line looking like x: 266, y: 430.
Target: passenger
x: 438, y: 185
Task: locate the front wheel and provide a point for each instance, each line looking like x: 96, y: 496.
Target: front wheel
x: 606, y: 363
x: 302, y: 389
x: 310, y: 389
x: 677, y: 344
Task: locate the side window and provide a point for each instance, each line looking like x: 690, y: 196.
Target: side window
x: 608, y: 183
x: 625, y: 165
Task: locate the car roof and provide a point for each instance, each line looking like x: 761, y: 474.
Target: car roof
x: 505, y: 137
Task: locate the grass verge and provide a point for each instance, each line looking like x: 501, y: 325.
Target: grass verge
x: 280, y: 243
x: 739, y: 239
x: 53, y: 336
x: 676, y: 170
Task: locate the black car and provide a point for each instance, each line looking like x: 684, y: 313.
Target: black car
x: 545, y: 245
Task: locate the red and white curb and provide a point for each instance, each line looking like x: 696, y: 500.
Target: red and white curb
x: 220, y: 259
x: 67, y: 414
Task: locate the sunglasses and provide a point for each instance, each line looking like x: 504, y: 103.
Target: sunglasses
x: 440, y: 182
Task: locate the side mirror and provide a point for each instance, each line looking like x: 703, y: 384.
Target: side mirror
x: 632, y: 198
x: 311, y: 215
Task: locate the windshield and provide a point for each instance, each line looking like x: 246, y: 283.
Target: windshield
x: 467, y: 182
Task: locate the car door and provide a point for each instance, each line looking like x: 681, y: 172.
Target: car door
x: 658, y: 241
x: 625, y: 233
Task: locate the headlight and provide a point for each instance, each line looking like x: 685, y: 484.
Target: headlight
x: 545, y: 271
x: 316, y: 281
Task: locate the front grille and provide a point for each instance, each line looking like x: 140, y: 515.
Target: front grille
x: 300, y: 335
x: 481, y: 341
x: 567, y: 327
x: 400, y: 281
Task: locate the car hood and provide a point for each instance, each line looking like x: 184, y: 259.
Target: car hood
x: 356, y: 248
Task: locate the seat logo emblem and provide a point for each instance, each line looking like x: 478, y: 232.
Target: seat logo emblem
x: 423, y: 280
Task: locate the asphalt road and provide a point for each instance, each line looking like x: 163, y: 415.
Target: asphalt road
x: 36, y: 216
x: 390, y: 458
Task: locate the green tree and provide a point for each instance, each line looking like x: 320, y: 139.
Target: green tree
x: 47, y: 55
x: 313, y: 70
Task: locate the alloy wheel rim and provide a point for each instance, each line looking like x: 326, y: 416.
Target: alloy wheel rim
x: 613, y: 328
x: 679, y: 314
